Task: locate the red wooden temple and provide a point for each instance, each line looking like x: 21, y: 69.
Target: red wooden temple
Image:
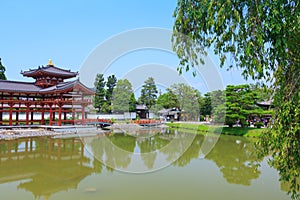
x: 49, y: 100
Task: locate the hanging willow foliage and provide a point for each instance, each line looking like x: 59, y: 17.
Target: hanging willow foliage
x: 261, y: 37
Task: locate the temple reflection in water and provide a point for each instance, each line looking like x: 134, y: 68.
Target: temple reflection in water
x: 47, y: 165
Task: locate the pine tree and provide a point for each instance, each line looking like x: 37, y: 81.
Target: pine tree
x: 132, y: 103
x: 149, y: 93
x: 99, y: 99
x: 110, y: 84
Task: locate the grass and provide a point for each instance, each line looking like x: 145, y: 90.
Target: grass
x: 203, y: 129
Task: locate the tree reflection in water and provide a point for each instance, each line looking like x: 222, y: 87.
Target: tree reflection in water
x: 236, y: 159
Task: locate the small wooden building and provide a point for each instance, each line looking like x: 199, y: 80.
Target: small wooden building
x: 170, y: 114
x: 142, y: 111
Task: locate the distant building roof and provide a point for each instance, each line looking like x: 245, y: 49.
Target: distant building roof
x: 265, y: 103
x: 169, y: 111
x: 141, y: 107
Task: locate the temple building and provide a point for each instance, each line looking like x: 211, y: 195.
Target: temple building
x: 49, y: 100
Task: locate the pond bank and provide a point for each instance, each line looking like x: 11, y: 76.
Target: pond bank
x: 10, y: 134
x: 203, y: 129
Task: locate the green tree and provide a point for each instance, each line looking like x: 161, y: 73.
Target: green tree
x: 168, y: 100
x: 264, y: 93
x: 262, y: 38
x: 148, y: 93
x: 205, y: 106
x: 218, y: 111
x: 240, y: 104
x: 2, y: 71
x: 110, y: 84
x: 213, y: 104
x: 99, y: 99
x: 122, y: 96
x: 132, y: 103
x: 188, y: 100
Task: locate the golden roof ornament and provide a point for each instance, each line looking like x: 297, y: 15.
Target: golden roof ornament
x: 50, y: 62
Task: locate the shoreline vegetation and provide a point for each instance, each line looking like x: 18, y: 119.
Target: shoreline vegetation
x: 205, y: 128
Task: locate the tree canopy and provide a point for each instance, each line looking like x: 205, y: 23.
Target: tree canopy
x: 110, y: 84
x: 122, y: 96
x: 168, y: 100
x: 262, y: 38
x: 99, y: 99
x: 148, y: 93
x: 240, y: 104
x: 188, y: 100
x: 2, y: 71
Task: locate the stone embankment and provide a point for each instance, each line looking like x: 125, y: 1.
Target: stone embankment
x: 23, y: 133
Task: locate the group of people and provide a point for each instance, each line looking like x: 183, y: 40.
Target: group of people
x: 255, y: 121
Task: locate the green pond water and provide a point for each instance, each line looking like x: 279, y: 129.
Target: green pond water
x: 155, y: 164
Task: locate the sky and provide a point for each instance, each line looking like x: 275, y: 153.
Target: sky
x: 32, y: 32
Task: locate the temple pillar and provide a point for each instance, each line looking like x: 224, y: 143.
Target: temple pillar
x: 73, y: 115
x: 59, y: 113
x: 43, y: 114
x: 65, y: 117
x: 31, y: 115
x: 27, y: 113
x: 1, y: 115
x: 50, y: 115
x: 10, y: 113
x: 82, y: 114
x: 17, y: 116
x: 53, y: 115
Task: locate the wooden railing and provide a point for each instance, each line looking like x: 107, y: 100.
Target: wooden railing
x: 146, y: 121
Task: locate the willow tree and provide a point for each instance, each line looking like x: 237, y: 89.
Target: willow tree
x: 261, y: 37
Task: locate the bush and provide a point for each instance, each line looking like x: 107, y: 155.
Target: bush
x: 201, y: 117
x: 230, y: 122
x: 259, y: 124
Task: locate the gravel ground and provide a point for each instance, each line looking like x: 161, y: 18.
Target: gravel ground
x: 23, y: 133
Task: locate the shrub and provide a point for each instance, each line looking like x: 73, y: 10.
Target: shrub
x: 259, y: 124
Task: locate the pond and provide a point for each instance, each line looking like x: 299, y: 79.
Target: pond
x: 147, y: 164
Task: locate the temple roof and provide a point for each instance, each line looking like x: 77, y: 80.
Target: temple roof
x: 49, y: 70
x: 76, y: 84
x: 24, y: 87
x: 17, y: 86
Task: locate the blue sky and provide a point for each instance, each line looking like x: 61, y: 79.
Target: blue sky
x: 67, y: 32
